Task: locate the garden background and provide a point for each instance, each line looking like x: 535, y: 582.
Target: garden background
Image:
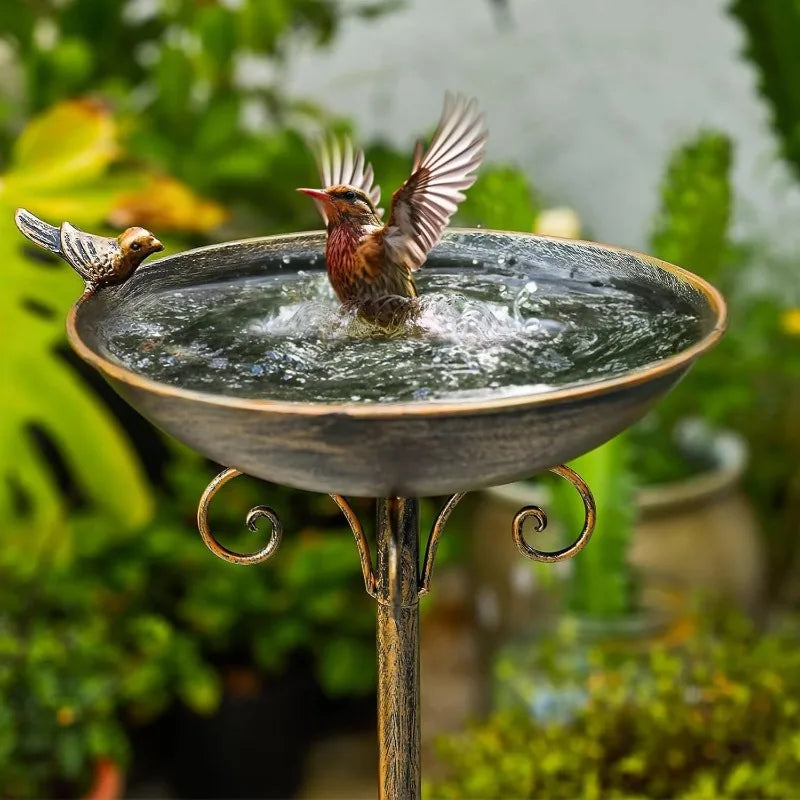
x: 127, y: 650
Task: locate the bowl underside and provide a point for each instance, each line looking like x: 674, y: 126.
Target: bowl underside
x: 406, y: 449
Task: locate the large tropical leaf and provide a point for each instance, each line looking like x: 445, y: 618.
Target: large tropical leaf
x: 51, y: 423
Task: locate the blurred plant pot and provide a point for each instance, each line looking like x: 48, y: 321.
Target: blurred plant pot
x: 698, y: 535
x: 256, y: 742
x: 701, y: 534
x: 107, y: 781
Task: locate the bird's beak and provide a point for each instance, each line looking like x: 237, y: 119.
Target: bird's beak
x: 322, y: 201
x: 317, y: 194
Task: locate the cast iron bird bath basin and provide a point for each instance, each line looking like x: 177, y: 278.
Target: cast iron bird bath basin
x: 590, y: 338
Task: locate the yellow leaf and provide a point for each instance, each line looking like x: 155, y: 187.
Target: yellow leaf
x: 165, y: 204
x: 72, y: 143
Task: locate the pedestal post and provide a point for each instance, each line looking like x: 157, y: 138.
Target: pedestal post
x: 397, y: 585
x: 397, y: 593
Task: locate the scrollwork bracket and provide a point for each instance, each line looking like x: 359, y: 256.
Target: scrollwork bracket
x: 276, y: 530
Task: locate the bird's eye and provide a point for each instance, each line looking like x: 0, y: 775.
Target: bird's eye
x: 136, y: 246
x: 350, y: 195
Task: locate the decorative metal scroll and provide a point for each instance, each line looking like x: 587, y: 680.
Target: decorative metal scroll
x: 265, y: 512
x: 433, y: 542
x: 361, y: 543
x: 540, y: 522
x: 259, y: 512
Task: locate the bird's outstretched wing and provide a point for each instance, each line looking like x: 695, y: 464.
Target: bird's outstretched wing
x: 423, y: 205
x: 340, y: 163
x: 90, y: 255
x: 38, y: 231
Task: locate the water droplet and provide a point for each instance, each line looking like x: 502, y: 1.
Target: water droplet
x: 286, y: 260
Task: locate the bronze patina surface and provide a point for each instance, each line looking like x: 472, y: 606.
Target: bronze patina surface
x: 405, y: 449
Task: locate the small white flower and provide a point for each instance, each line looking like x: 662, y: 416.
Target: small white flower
x: 136, y: 12
x: 45, y: 33
x: 254, y: 115
x: 251, y: 71
x: 147, y: 54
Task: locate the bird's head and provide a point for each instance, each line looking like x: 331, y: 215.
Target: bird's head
x: 138, y: 243
x: 342, y: 204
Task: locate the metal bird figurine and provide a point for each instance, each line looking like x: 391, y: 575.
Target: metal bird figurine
x: 99, y: 260
x: 369, y: 260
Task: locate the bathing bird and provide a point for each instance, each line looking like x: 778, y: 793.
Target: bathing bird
x: 99, y: 260
x: 369, y: 260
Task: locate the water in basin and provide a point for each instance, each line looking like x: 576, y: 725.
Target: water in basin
x: 492, y: 330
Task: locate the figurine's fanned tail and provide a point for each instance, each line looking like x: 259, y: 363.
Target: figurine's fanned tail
x: 38, y: 231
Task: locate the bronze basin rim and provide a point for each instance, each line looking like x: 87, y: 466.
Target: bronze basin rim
x: 683, y: 359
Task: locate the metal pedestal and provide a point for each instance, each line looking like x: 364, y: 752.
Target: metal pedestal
x: 397, y: 595
x: 397, y: 585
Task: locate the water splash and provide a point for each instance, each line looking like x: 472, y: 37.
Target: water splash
x: 484, y: 332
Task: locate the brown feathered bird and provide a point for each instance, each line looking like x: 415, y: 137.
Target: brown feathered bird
x: 99, y: 260
x: 369, y: 260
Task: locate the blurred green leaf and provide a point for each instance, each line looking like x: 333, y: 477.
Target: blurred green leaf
x: 42, y: 392
x: 502, y: 198
x: 772, y: 31
x: 346, y: 665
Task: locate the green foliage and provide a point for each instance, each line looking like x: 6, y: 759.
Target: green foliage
x: 73, y: 654
x: 178, y: 72
x: 309, y: 597
x: 691, y: 229
x: 502, y: 198
x: 772, y: 31
x: 600, y: 583
x: 134, y: 624
x: 751, y: 381
x: 762, y: 341
x: 718, y: 718
x: 60, y: 165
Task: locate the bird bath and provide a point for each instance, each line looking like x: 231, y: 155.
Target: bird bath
x: 528, y: 352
